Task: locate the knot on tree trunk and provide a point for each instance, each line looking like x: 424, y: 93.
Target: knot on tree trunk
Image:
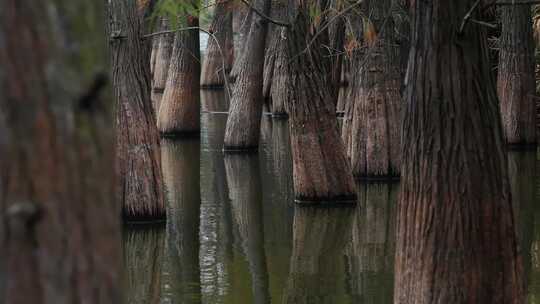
x: 22, y: 218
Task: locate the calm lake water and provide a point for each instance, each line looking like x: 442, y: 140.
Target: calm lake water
x: 234, y: 236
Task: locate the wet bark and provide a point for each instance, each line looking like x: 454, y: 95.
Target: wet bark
x: 161, y: 66
x: 456, y: 240
x: 138, y: 171
x: 244, y: 183
x: 243, y: 123
x: 371, y: 124
x: 180, y: 107
x: 143, y: 261
x: 212, y: 75
x: 180, y: 274
x: 319, y: 239
x: 516, y: 78
x: 55, y: 143
x: 320, y: 168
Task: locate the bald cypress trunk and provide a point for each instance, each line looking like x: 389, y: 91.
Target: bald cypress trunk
x: 55, y: 145
x: 180, y: 107
x: 516, y: 78
x: 212, y: 75
x: 140, y: 187
x: 243, y: 123
x: 372, y: 116
x: 320, y: 167
x: 456, y: 240
x: 241, y: 26
x: 161, y: 65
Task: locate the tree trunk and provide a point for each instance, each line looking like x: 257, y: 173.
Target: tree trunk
x: 320, y: 168
x: 213, y: 63
x: 180, y: 274
x: 179, y: 113
x: 55, y: 146
x: 372, y: 117
x: 275, y: 48
x: 161, y: 67
x: 319, y: 239
x: 456, y: 240
x: 516, y: 78
x: 241, y: 26
x: 243, y: 123
x: 138, y: 171
x: 143, y: 262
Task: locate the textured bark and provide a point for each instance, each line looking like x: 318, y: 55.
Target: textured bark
x: 244, y: 182
x: 456, y: 240
x: 243, y: 123
x: 180, y: 274
x: 161, y: 66
x: 276, y: 63
x: 344, y: 91
x: 372, y: 116
x: 241, y: 26
x: 371, y: 254
x: 320, y: 168
x: 55, y: 146
x: 143, y: 260
x: 214, y: 61
x: 180, y: 106
x: 138, y: 169
x: 336, y: 32
x: 516, y: 77
x: 319, y: 239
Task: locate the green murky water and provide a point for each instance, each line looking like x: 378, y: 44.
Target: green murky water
x: 233, y: 235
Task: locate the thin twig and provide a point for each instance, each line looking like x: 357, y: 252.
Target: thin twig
x: 493, y: 26
x: 468, y: 16
x: 264, y: 16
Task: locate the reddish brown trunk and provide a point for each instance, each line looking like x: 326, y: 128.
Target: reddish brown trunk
x: 456, y: 240
x: 243, y: 123
x: 516, y: 78
x: 180, y: 107
x: 372, y: 116
x: 55, y: 144
x: 212, y: 75
x: 241, y: 26
x: 138, y: 171
x: 161, y: 66
x: 320, y: 167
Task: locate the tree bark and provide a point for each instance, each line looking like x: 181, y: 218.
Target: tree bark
x: 138, y: 171
x: 241, y: 26
x: 161, y: 66
x: 55, y: 146
x: 214, y: 61
x: 179, y: 113
x: 456, y: 240
x: 516, y: 83
x: 243, y: 123
x: 371, y: 124
x: 320, y: 168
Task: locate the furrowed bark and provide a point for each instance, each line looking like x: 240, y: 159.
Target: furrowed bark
x: 221, y: 27
x: 320, y: 167
x: 241, y: 26
x: 161, y: 67
x: 456, y: 240
x: 243, y: 123
x: 180, y: 106
x: 516, y: 83
x: 138, y: 171
x: 372, y: 116
x: 57, y: 153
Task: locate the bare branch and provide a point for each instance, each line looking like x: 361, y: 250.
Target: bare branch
x: 264, y: 16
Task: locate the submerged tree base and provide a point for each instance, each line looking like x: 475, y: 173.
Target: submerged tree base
x: 378, y: 178
x: 158, y: 219
x: 240, y: 150
x: 524, y: 146
x: 212, y: 87
x: 180, y: 134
